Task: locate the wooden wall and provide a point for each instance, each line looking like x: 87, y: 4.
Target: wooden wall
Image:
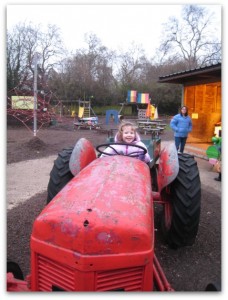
x: 204, y: 104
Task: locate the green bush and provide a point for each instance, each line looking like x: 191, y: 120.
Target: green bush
x: 101, y: 110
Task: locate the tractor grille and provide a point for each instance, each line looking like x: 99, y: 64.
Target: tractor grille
x: 53, y: 276
x: 130, y: 279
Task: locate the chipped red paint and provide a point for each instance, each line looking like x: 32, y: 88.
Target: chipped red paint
x: 102, y: 198
x: 168, y: 166
x: 16, y: 285
x: 82, y: 155
x: 100, y: 220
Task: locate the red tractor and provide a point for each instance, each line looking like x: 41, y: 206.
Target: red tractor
x: 97, y: 231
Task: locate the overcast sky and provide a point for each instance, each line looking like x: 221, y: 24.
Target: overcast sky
x: 117, y: 26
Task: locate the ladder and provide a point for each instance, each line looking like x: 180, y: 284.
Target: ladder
x: 87, y: 109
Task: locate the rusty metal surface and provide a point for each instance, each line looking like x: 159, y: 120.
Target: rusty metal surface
x: 83, y: 154
x: 104, y: 209
x: 168, y: 166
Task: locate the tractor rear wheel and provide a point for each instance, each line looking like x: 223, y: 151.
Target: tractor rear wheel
x: 14, y: 268
x: 60, y: 174
x: 182, y: 211
x: 214, y: 286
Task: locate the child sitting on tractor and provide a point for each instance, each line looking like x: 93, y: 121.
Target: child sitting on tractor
x: 125, y: 137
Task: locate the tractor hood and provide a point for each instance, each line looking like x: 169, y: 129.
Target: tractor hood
x: 105, y: 209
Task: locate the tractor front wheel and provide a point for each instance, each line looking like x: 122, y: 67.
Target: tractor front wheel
x: 14, y: 268
x: 60, y: 174
x: 183, y: 203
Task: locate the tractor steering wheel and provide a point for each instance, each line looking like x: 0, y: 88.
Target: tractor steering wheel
x: 132, y: 154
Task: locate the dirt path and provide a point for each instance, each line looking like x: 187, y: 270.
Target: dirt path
x: 19, y: 188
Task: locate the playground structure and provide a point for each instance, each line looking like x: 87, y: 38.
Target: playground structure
x: 85, y: 118
x: 21, y: 108
x: 88, y: 119
x: 151, y: 112
x: 134, y: 98
x: 112, y: 113
x: 85, y: 109
x: 214, y: 151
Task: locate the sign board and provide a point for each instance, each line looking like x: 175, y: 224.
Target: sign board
x: 22, y: 102
x: 194, y: 116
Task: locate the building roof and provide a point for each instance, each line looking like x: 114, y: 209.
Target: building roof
x: 201, y: 75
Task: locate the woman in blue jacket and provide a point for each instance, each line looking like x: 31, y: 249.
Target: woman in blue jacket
x: 181, y: 124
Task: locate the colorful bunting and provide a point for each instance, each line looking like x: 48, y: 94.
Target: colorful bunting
x: 131, y: 96
x: 134, y: 97
x: 143, y: 98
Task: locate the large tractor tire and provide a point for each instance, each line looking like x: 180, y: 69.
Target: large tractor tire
x: 182, y: 213
x: 214, y: 286
x: 60, y: 174
x: 14, y: 268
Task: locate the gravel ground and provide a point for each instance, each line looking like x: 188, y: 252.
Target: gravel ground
x: 29, y: 162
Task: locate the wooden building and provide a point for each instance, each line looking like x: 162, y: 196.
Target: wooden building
x: 201, y: 93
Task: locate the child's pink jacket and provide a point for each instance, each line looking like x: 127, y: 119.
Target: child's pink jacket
x: 128, y: 149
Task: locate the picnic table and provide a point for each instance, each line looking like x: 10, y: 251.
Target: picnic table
x: 149, y: 120
x: 146, y: 123
x: 153, y: 131
x: 153, y: 127
x: 87, y: 125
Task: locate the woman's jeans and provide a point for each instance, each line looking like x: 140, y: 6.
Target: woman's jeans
x: 180, y: 143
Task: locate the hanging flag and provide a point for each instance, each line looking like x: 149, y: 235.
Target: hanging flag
x: 156, y: 113
x: 148, y: 111
x: 143, y: 98
x: 131, y: 96
x: 152, y: 111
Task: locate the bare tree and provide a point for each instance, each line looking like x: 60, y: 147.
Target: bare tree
x: 17, y: 56
x: 192, y: 39
x: 87, y: 73
x: 131, y: 66
x: 22, y: 44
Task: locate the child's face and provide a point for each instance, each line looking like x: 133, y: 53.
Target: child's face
x: 128, y: 134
